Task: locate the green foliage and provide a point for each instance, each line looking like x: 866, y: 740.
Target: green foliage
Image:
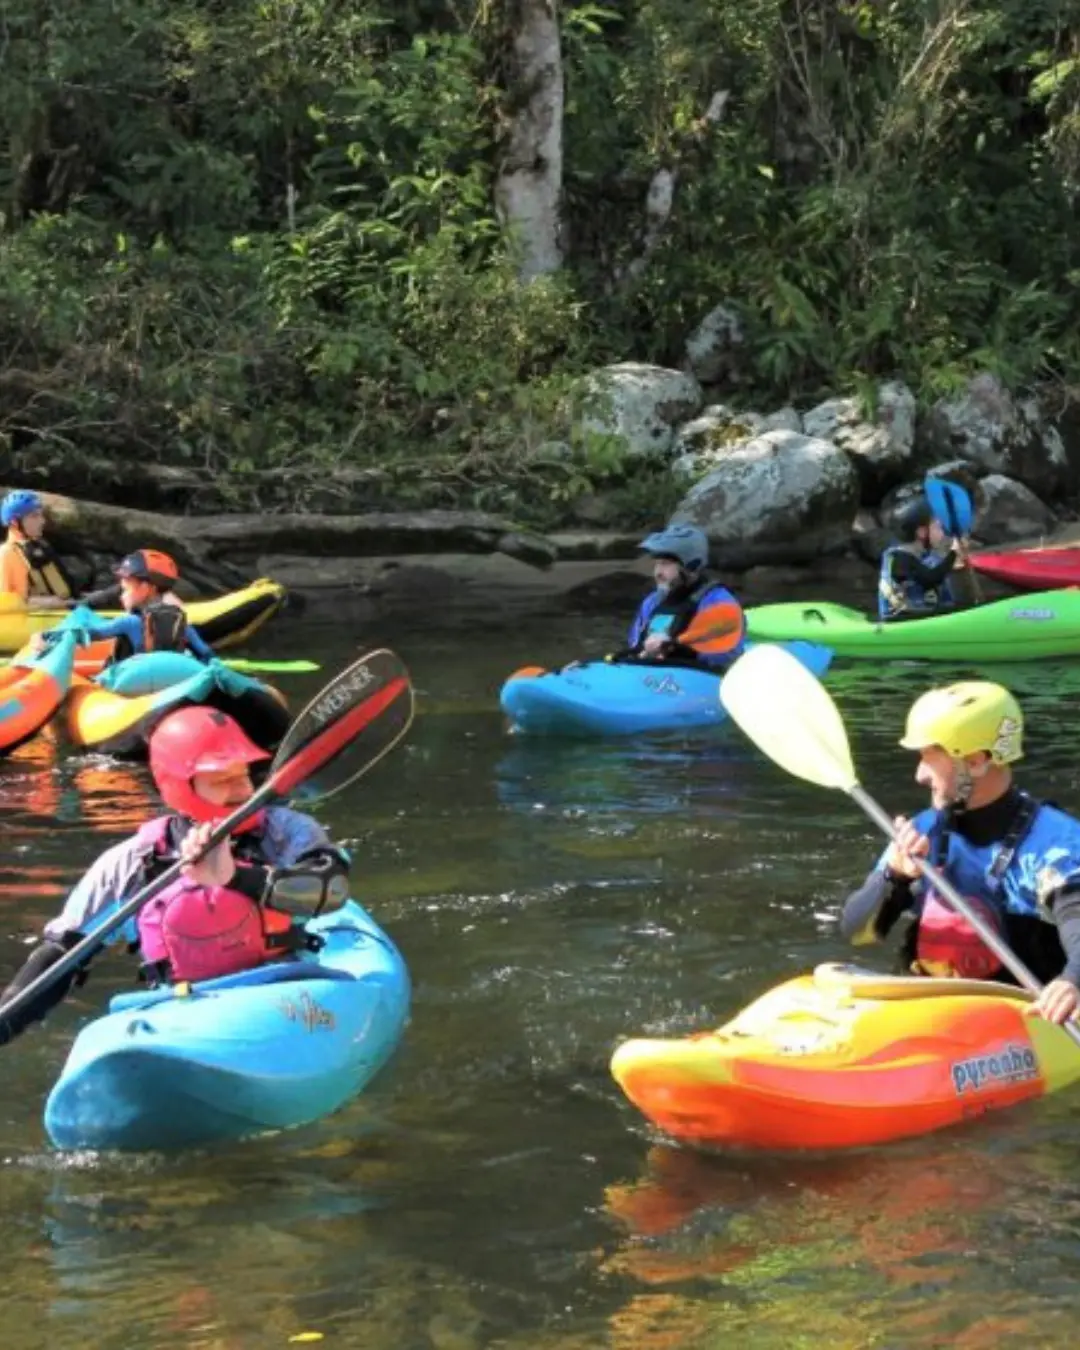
x: 262, y: 236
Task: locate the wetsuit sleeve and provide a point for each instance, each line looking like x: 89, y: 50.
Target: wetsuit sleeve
x: 14, y: 574
x: 198, y: 645
x: 44, y: 955
x: 124, y: 625
x: 906, y: 567
x: 870, y: 912
x: 1065, y: 909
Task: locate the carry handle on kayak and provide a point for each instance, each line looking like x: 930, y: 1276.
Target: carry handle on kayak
x: 789, y: 715
x: 343, y: 732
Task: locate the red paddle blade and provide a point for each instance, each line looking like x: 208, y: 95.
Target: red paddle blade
x: 346, y: 728
x: 715, y: 629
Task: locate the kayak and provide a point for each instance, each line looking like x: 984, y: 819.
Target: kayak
x: 266, y: 1049
x: 1046, y: 624
x: 32, y: 691
x: 116, y: 713
x: 845, y: 1058
x: 223, y: 621
x: 602, y: 698
x: 1032, y: 569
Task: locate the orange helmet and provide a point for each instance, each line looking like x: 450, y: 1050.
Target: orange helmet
x: 148, y: 564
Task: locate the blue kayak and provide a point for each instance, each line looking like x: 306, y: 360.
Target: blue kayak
x: 618, y: 699
x: 266, y: 1049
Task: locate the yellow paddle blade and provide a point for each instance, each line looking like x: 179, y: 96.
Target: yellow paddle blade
x: 789, y: 715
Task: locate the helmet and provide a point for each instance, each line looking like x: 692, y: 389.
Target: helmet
x: 18, y: 504
x: 147, y: 564
x: 688, y: 545
x: 965, y: 718
x: 914, y: 516
x: 197, y: 740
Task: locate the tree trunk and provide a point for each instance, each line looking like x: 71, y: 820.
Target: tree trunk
x: 528, y: 189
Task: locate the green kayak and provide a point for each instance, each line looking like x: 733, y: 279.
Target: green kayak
x: 1028, y: 628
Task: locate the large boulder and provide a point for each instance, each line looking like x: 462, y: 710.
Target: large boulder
x: 640, y: 403
x: 999, y: 434
x: 779, y: 497
x: 712, y: 349
x: 703, y: 442
x: 1006, y: 510
x: 880, y: 445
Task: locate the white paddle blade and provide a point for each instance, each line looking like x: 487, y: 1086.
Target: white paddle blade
x: 789, y: 715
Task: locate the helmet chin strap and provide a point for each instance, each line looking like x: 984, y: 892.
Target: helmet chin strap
x: 965, y: 784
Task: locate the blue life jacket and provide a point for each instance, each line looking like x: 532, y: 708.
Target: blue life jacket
x: 904, y: 597
x: 659, y: 613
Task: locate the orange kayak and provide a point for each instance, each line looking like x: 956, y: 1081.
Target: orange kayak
x: 846, y: 1058
x: 32, y: 691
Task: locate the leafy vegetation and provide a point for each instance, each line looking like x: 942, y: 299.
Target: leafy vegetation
x: 259, y: 237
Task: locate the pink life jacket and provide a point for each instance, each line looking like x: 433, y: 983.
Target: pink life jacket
x: 202, y: 932
x: 946, y: 945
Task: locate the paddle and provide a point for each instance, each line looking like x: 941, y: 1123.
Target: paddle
x: 343, y: 732
x: 240, y: 663
x: 955, y: 514
x: 789, y: 715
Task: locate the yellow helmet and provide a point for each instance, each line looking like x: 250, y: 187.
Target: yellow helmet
x: 965, y: 718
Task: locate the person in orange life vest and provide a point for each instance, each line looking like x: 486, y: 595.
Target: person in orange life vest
x: 683, y: 589
x: 241, y: 905
x: 1015, y: 859
x: 152, y: 621
x: 29, y: 565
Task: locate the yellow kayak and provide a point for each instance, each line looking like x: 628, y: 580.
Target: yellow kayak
x: 223, y: 621
x: 846, y: 1058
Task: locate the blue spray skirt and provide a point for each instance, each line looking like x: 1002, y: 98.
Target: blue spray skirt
x: 619, y: 699
x: 266, y: 1049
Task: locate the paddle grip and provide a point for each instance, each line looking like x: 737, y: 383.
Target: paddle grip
x: 948, y: 892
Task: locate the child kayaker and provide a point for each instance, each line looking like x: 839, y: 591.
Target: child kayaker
x: 232, y: 909
x: 29, y: 565
x: 683, y: 589
x: 917, y: 577
x: 153, y: 620
x: 1016, y: 859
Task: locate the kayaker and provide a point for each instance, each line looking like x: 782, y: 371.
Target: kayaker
x: 1016, y: 859
x: 917, y: 575
x: 684, y: 588
x: 153, y: 620
x: 236, y: 908
x: 30, y: 567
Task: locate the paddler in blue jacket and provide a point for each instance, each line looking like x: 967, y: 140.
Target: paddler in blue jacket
x: 917, y: 575
x: 683, y: 589
x: 153, y: 618
x: 1016, y: 859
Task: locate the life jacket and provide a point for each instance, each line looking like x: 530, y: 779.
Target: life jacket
x: 46, y: 573
x: 192, y: 932
x: 164, y: 629
x: 946, y: 945
x: 898, y: 597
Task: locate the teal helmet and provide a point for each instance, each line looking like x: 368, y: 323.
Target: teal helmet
x: 686, y: 544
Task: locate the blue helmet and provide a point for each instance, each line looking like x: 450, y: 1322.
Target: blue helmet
x: 18, y: 504
x: 688, y: 545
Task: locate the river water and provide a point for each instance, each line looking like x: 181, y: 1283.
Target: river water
x: 492, y: 1188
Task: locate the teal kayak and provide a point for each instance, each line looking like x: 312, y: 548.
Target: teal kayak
x: 266, y: 1049
x: 1029, y: 628
x: 598, y: 698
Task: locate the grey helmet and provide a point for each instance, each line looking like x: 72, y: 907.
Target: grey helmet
x: 688, y: 545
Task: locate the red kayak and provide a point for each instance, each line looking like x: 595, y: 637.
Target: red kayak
x: 1032, y: 569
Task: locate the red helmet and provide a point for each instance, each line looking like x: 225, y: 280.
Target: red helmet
x: 197, y: 740
x: 148, y: 564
